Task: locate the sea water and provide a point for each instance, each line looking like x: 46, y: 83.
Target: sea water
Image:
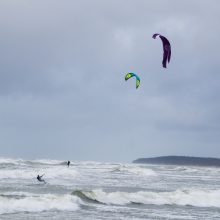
x: 95, y: 190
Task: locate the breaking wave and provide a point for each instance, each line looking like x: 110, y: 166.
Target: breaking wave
x: 11, y: 161
x: 38, y: 203
x: 197, y: 198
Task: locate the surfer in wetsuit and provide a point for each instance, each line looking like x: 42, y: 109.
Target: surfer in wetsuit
x: 39, y: 178
x: 68, y: 163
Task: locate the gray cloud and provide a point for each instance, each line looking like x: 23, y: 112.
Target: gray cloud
x: 62, y: 88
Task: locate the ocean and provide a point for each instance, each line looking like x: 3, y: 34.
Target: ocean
x: 95, y: 190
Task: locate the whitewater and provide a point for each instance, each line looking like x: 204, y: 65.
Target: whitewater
x: 97, y: 190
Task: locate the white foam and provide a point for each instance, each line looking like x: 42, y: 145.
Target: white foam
x: 48, y: 161
x: 198, y: 198
x: 62, y: 172
x: 59, y: 172
x: 10, y: 161
x: 16, y: 174
x: 21, y: 161
x: 39, y: 203
x: 135, y: 170
x: 184, y: 169
x: 17, y: 193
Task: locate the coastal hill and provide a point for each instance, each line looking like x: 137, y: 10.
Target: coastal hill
x: 181, y: 160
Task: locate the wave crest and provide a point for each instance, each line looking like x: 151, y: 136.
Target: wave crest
x: 197, y: 198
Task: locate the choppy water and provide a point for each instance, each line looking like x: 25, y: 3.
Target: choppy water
x: 91, y: 190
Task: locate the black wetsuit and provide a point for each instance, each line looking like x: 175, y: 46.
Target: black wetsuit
x: 39, y: 179
x: 68, y: 163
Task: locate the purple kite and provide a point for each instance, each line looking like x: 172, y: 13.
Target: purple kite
x: 166, y: 49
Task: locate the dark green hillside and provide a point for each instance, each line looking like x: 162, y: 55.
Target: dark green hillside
x: 180, y: 160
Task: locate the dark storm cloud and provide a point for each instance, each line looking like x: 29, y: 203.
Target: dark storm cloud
x: 62, y: 88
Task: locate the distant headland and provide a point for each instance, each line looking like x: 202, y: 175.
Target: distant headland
x: 181, y: 160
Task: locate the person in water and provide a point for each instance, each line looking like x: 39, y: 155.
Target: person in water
x: 68, y: 163
x: 39, y: 178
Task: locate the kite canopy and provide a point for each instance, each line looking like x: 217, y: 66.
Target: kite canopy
x: 129, y: 75
x: 166, y: 49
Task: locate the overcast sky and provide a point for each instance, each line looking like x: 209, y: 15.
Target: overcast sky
x: 62, y: 88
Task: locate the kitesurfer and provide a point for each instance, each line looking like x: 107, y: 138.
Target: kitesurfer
x: 39, y: 178
x: 68, y: 163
